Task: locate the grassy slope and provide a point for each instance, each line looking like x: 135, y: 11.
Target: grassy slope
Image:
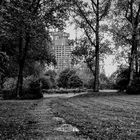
x: 102, y: 117
x: 15, y: 119
x: 30, y: 119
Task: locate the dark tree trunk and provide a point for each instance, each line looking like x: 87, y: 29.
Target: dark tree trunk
x: 136, y: 65
x: 23, y: 47
x: 20, y: 79
x: 133, y: 56
x: 96, y: 82
x: 1, y: 81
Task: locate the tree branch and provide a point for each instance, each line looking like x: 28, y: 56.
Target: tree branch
x: 92, y: 43
x: 126, y: 14
x: 137, y: 16
x: 93, y: 6
x: 83, y: 15
x: 94, y: 3
x: 88, y: 65
x: 131, y: 10
x: 106, y: 8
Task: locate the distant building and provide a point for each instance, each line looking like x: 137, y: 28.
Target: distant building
x: 62, y: 50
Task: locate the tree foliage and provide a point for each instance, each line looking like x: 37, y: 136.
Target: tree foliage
x: 84, y: 51
x: 69, y: 79
x: 23, y: 28
x: 64, y: 77
x: 125, y: 28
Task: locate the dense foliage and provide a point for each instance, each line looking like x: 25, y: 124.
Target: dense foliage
x: 69, y: 79
x: 24, y: 31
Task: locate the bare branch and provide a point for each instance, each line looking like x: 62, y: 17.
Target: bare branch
x: 93, y: 6
x: 126, y: 13
x: 137, y: 16
x: 94, y: 3
x: 85, y: 18
x: 89, y: 38
x: 106, y: 8
x: 131, y: 9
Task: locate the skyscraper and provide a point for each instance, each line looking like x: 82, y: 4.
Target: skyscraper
x: 62, y: 50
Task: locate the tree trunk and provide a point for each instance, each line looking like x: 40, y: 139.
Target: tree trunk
x: 20, y: 79
x: 22, y: 52
x: 1, y: 81
x: 136, y: 64
x: 133, y: 56
x: 96, y: 82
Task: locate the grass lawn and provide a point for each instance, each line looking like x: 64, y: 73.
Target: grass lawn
x: 30, y: 120
x: 15, y: 119
x: 97, y: 117
x: 102, y: 117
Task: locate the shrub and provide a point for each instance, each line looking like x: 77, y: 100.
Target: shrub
x: 64, y: 78
x: 90, y: 84
x: 33, y: 92
x: 135, y: 87
x: 75, y: 82
x: 9, y: 94
x: 27, y: 81
x: 122, y: 79
x: 10, y: 83
x: 51, y: 80
x: 46, y: 83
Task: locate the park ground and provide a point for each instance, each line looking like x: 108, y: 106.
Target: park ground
x: 96, y: 116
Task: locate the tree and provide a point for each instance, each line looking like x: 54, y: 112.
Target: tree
x: 25, y: 22
x: 88, y: 16
x: 127, y: 30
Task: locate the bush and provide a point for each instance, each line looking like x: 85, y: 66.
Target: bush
x: 10, y: 84
x: 135, y: 88
x: 47, y: 83
x: 9, y: 94
x: 64, y: 78
x: 90, y: 84
x: 51, y: 81
x: 33, y: 92
x: 75, y: 82
x: 122, y: 79
x: 27, y: 81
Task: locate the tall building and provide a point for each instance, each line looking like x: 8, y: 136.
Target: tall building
x: 62, y: 50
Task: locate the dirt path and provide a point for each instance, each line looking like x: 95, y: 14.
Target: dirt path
x: 67, y: 95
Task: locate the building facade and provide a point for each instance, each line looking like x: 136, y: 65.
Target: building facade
x: 62, y: 50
